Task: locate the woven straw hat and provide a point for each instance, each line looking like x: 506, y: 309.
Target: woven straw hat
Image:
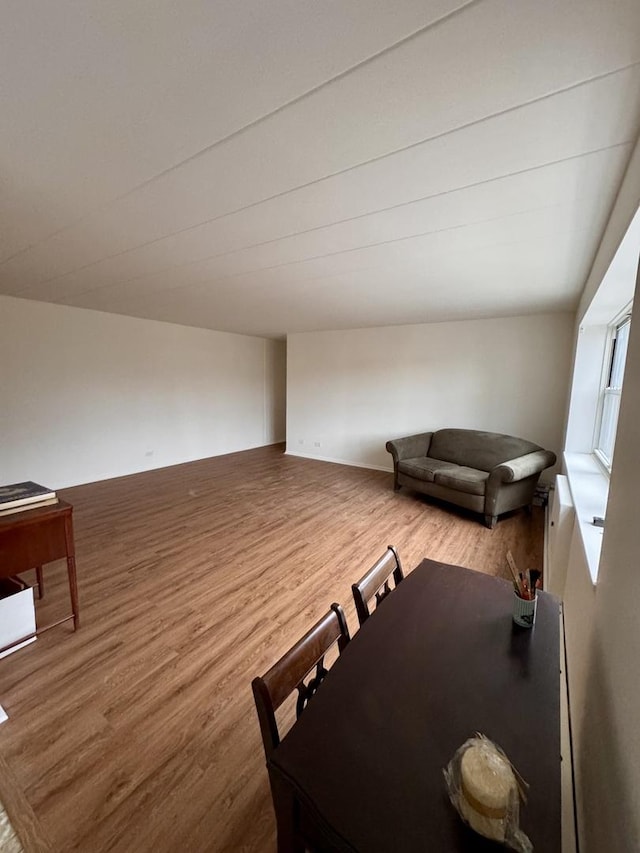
x: 487, y: 788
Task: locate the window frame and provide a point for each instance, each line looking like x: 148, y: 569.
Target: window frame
x: 622, y: 320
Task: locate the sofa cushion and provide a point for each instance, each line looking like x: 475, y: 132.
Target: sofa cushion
x: 476, y: 449
x: 423, y: 467
x: 462, y: 479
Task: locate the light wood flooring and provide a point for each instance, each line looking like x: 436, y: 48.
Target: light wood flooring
x: 138, y: 732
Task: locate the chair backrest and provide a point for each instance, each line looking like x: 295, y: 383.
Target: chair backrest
x: 375, y: 584
x: 288, y: 674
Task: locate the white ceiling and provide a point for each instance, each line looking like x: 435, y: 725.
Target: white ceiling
x: 276, y: 166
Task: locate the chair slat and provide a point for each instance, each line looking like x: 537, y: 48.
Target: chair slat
x: 288, y: 674
x: 375, y: 583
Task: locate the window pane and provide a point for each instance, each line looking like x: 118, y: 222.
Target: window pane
x: 619, y: 355
x: 610, y: 408
x: 611, y: 393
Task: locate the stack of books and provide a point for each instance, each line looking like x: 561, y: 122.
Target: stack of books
x: 22, y: 496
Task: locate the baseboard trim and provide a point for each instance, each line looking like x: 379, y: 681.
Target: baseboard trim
x: 112, y: 476
x: 347, y: 462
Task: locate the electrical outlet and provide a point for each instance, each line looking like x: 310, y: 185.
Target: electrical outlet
x: 317, y: 444
x: 149, y: 453
x: 301, y: 441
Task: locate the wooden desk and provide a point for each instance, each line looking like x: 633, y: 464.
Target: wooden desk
x: 34, y: 537
x: 439, y: 660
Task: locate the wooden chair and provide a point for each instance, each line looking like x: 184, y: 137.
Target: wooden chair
x: 271, y: 690
x: 375, y: 584
x: 288, y: 674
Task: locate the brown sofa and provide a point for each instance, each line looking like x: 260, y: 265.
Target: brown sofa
x: 487, y: 472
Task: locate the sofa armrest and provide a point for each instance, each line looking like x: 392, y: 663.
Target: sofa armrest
x: 410, y: 447
x: 523, y: 466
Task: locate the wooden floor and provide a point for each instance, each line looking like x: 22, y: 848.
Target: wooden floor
x: 138, y: 732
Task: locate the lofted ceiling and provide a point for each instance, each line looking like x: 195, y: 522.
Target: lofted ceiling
x: 278, y: 166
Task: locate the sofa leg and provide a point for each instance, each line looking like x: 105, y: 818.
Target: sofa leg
x: 490, y: 521
x: 396, y: 484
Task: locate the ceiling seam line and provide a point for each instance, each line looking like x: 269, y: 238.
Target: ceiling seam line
x: 363, y: 163
x: 374, y: 213
x: 440, y: 194
x: 347, y: 169
x: 230, y: 277
x: 254, y: 122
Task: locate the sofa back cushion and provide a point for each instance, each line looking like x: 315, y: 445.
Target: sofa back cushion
x: 476, y: 449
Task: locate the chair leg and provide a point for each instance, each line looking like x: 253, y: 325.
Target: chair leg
x: 490, y: 521
x: 287, y: 816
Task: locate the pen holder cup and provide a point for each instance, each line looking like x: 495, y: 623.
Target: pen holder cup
x: 524, y: 610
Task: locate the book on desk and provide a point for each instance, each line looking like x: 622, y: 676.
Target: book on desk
x: 19, y: 497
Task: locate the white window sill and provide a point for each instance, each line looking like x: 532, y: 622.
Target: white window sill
x: 589, y: 491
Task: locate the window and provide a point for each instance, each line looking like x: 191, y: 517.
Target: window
x: 611, y: 392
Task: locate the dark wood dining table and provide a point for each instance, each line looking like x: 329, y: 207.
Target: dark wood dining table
x: 439, y: 660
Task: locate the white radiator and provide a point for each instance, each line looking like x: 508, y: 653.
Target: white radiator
x: 561, y: 521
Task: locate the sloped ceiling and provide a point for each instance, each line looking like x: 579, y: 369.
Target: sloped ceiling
x: 274, y: 166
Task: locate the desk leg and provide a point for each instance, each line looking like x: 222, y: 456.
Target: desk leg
x: 40, y: 581
x: 73, y: 589
x: 71, y: 571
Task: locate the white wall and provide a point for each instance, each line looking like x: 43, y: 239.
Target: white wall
x: 86, y: 395
x: 351, y: 391
x: 601, y: 620
x: 603, y: 644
